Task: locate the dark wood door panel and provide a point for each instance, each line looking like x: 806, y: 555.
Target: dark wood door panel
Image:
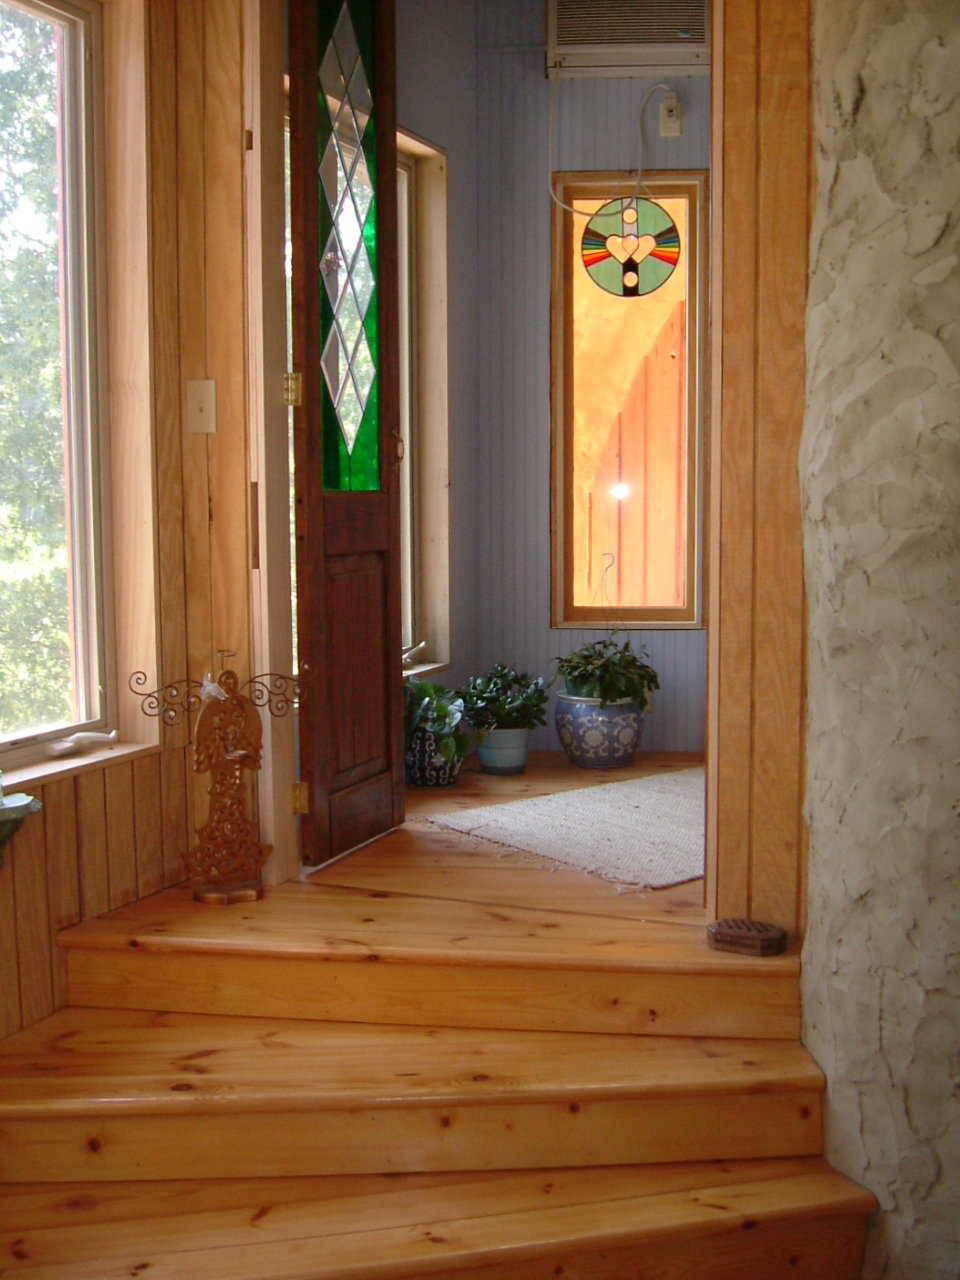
x: 357, y: 671
x: 355, y: 522
x: 360, y: 812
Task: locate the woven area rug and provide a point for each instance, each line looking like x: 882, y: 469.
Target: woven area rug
x: 646, y: 833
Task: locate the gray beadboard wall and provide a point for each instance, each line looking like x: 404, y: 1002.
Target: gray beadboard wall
x: 471, y: 79
x: 596, y: 127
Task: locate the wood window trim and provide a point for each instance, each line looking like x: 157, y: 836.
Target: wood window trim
x: 564, y: 614
x: 131, y: 527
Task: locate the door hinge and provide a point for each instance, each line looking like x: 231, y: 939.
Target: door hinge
x: 293, y: 390
x: 301, y: 797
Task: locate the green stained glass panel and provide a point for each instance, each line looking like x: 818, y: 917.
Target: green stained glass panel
x: 348, y: 262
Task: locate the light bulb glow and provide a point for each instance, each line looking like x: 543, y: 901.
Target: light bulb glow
x: 620, y: 491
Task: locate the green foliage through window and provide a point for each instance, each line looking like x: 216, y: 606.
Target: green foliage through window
x: 37, y: 682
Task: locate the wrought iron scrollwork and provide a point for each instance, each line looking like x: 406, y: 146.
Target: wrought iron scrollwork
x: 280, y: 694
x: 171, y: 703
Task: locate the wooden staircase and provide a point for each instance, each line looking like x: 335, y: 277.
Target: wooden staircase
x: 433, y: 1086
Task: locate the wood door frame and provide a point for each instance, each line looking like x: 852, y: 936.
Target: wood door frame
x: 756, y: 648
x: 761, y: 189
x: 270, y: 608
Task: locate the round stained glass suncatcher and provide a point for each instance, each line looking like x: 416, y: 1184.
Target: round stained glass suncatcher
x: 630, y: 246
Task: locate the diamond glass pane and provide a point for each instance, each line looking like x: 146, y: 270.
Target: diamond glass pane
x: 349, y: 321
x: 348, y: 226
x: 332, y: 175
x: 333, y: 269
x: 361, y: 277
x: 360, y: 100
x: 332, y: 82
x: 363, y: 369
x: 350, y: 412
x: 348, y: 139
x: 361, y: 187
x: 334, y: 366
x: 346, y: 41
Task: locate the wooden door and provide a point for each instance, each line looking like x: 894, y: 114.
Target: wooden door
x: 343, y: 183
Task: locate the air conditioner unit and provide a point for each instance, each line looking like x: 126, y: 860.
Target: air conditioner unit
x: 627, y: 37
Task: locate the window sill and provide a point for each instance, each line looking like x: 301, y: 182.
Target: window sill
x: 54, y: 768
x: 420, y: 669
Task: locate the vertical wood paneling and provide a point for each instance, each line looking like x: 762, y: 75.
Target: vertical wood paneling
x: 174, y: 814
x: 148, y: 825
x: 164, y: 173
x: 63, y: 877
x: 191, y: 190
x: 596, y: 127
x: 27, y: 852
x: 758, y: 606
x: 782, y: 201
x: 224, y: 297
x: 736, y: 481
x: 10, y: 1019
x: 121, y: 844
x: 192, y: 292
x: 98, y: 843
x: 92, y: 844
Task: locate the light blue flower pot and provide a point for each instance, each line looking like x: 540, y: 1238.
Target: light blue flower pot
x: 503, y: 750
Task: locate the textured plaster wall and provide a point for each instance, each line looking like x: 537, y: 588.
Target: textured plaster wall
x: 880, y: 469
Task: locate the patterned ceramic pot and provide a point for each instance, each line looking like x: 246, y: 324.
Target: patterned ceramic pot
x: 425, y: 766
x: 598, y: 737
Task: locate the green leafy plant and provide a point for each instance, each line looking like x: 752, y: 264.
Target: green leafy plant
x: 504, y: 699
x: 432, y: 708
x: 608, y: 671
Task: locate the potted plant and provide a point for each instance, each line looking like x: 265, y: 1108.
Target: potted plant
x: 503, y: 706
x: 435, y: 740
x: 600, y: 717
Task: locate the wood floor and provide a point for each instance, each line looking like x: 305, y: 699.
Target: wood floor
x: 547, y: 772
x: 428, y: 1059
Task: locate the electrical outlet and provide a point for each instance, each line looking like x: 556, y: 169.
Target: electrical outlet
x: 671, y: 121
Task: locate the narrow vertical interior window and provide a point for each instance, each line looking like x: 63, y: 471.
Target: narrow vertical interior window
x: 424, y: 442
x: 626, y: 399
x: 405, y: 178
x: 50, y: 650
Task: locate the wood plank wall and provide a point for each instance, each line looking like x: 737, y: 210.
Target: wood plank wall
x: 761, y: 198
x: 105, y: 837
x: 109, y: 835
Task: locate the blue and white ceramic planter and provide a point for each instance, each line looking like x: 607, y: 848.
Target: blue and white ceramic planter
x: 598, y: 737
x: 503, y: 751
x: 425, y: 766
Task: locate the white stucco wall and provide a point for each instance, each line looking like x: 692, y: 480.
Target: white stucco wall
x: 880, y: 470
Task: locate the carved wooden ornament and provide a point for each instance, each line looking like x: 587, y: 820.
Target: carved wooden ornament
x: 225, y: 864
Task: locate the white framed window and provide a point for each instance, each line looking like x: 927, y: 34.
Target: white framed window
x: 424, y: 438
x: 53, y: 646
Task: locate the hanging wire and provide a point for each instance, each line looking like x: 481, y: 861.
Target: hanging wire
x: 551, y: 113
x: 641, y: 189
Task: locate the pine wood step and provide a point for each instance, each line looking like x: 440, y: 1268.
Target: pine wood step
x: 789, y: 1218
x: 110, y: 1094
x: 335, y: 952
